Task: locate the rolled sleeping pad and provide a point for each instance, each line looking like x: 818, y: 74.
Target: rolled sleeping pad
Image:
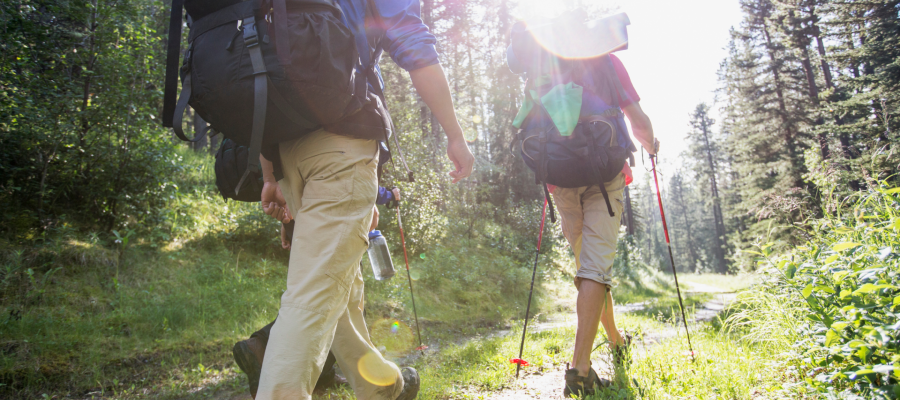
x: 532, y: 42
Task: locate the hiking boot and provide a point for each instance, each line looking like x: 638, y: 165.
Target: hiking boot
x: 622, y: 354
x: 582, y: 385
x: 411, y: 384
x: 248, y: 354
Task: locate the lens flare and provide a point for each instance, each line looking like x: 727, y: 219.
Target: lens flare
x: 415, y: 274
x: 470, y: 135
x: 395, y: 327
x: 392, y: 336
x: 376, y: 370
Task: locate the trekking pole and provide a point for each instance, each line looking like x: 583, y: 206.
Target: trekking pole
x: 422, y: 346
x: 519, y: 361
x: 662, y: 215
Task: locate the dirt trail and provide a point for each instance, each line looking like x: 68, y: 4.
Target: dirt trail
x: 547, y: 383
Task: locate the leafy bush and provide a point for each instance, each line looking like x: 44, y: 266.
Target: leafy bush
x: 844, y: 286
x: 79, y: 96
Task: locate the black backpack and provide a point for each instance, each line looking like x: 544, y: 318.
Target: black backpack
x: 267, y: 71
x: 592, y: 153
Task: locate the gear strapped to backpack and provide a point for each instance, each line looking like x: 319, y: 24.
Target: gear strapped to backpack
x: 230, y: 167
x: 565, y: 144
x: 267, y: 71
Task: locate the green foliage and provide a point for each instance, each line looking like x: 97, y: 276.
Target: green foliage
x: 834, y: 300
x: 79, y: 96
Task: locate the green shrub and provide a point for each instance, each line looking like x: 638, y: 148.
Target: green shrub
x: 837, y: 297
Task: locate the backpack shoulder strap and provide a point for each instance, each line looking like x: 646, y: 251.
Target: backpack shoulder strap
x: 173, y: 50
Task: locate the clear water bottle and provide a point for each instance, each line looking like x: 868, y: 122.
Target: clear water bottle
x: 380, y: 257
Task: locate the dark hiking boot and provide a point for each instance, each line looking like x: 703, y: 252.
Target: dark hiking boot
x: 411, y: 384
x: 329, y: 379
x: 248, y: 354
x: 582, y: 386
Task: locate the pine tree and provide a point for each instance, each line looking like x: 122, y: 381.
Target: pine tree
x: 704, y: 152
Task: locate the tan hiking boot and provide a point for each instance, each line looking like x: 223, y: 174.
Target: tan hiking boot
x: 582, y: 386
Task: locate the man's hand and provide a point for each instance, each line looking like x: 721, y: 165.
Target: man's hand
x: 462, y: 158
x: 374, y: 219
x: 273, y: 202
x: 396, y: 192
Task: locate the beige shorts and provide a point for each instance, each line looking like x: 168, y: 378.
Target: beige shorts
x: 590, y: 230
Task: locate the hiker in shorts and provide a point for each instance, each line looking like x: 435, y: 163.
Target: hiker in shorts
x: 573, y: 134
x: 328, y: 187
x: 250, y: 353
x: 593, y: 235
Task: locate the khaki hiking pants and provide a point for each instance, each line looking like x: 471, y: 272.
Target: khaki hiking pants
x: 589, y: 229
x: 330, y: 186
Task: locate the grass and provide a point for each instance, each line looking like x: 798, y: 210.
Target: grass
x: 153, y: 312
x: 157, y: 319
x: 725, y: 367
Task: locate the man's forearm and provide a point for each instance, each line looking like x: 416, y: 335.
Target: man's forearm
x: 644, y: 134
x: 432, y: 86
x: 641, y: 126
x: 267, y: 169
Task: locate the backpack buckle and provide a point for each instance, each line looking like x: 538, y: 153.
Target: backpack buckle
x: 251, y: 38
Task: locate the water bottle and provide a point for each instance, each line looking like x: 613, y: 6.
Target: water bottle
x: 380, y: 257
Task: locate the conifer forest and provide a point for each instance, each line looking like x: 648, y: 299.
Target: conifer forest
x: 124, y: 274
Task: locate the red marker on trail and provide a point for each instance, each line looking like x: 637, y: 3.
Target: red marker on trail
x: 519, y: 361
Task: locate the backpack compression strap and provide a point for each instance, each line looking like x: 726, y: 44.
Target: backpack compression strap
x: 183, y: 99
x: 543, y: 160
x: 260, y: 97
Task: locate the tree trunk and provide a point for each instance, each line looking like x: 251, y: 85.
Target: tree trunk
x: 200, y: 128
x: 719, y: 251
x: 843, y: 137
x: 86, y: 88
x: 787, y: 124
x: 629, y: 213
x: 814, y: 98
x: 687, y: 225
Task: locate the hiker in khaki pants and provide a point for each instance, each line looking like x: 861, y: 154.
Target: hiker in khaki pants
x: 329, y: 189
x: 329, y: 185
